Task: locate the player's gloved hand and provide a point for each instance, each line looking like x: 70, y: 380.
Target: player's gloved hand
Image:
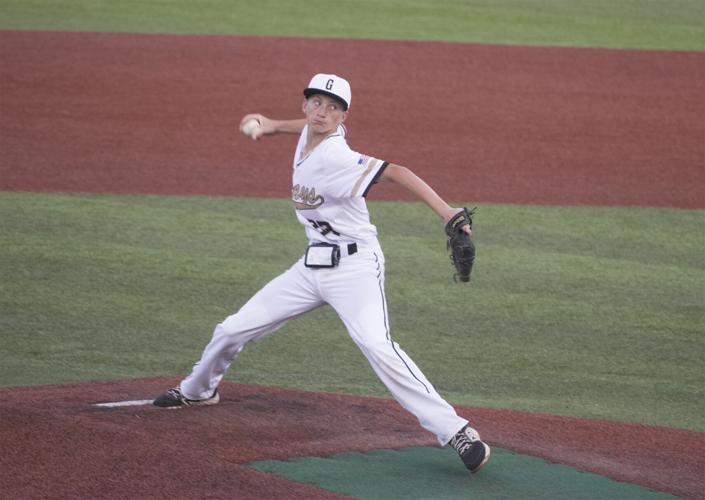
x: 461, y: 247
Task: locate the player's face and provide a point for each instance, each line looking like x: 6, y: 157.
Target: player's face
x: 323, y: 113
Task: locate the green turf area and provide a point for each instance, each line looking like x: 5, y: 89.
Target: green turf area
x: 649, y: 24
x: 584, y: 311
x: 438, y: 474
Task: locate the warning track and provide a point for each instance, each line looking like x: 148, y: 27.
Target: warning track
x: 158, y: 114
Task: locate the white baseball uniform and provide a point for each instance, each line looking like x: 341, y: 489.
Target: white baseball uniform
x: 329, y: 188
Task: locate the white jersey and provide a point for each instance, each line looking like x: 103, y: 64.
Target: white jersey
x: 329, y: 186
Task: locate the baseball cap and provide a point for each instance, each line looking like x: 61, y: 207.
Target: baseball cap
x: 332, y: 86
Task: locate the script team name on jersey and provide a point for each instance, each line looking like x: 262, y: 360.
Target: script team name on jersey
x: 305, y: 198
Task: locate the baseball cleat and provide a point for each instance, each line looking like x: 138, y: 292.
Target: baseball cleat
x: 173, y: 398
x: 473, y: 452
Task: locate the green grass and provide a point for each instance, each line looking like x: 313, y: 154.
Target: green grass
x: 593, y: 312
x: 643, y: 24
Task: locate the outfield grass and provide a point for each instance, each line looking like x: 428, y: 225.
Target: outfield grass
x: 647, y: 24
x: 593, y: 312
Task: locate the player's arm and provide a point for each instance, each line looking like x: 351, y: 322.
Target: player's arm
x: 269, y: 126
x: 418, y: 187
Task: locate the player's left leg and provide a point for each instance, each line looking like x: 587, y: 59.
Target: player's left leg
x: 356, y: 291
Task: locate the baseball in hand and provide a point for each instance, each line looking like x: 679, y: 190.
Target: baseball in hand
x: 251, y: 126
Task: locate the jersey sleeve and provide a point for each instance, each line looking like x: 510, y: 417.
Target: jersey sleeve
x: 354, y: 173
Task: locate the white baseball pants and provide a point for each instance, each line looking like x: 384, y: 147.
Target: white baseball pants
x: 355, y: 290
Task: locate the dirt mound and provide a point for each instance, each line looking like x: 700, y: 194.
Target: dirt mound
x: 57, y: 443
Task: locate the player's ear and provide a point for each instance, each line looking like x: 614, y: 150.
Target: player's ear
x: 303, y: 105
x: 345, y: 116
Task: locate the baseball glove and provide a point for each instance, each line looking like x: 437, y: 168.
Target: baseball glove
x: 461, y: 247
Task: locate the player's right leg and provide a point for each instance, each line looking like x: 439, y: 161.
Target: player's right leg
x: 285, y: 297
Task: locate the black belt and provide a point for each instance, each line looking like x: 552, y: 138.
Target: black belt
x: 352, y: 248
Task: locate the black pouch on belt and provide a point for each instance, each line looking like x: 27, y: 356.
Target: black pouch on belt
x: 322, y: 255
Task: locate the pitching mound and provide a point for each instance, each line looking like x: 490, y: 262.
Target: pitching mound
x: 58, y: 443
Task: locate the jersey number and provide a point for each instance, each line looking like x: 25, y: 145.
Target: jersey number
x: 323, y: 227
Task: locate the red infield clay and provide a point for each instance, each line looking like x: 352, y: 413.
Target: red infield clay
x: 159, y: 114
x: 57, y: 444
